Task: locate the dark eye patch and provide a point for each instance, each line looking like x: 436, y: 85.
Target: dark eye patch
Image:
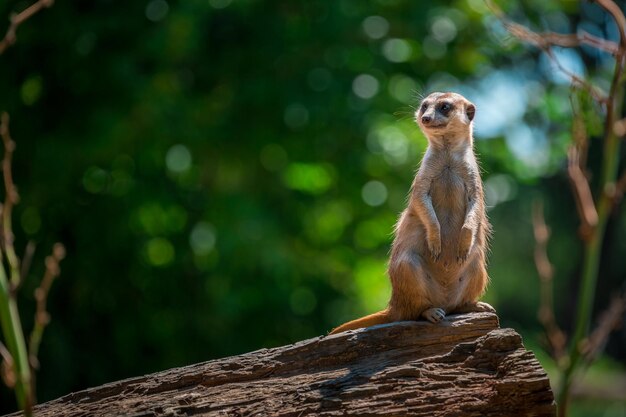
x: 445, y: 108
x: 424, y: 107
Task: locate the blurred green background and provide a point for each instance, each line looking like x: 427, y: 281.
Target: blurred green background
x: 226, y: 174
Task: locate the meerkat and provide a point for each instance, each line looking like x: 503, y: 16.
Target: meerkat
x: 438, y: 257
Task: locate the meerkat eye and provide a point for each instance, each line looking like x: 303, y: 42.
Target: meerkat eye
x: 424, y: 107
x: 445, y: 108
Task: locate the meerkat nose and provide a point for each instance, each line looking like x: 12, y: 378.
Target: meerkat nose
x: 426, y: 120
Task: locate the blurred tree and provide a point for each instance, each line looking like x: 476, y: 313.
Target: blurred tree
x: 589, y: 103
x: 226, y: 173
x: 19, y: 360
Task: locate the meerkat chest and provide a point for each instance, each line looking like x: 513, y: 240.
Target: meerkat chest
x: 448, y: 188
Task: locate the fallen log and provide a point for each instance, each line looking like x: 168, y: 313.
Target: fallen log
x: 466, y: 366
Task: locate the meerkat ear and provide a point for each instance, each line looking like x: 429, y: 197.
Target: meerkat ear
x: 470, y: 111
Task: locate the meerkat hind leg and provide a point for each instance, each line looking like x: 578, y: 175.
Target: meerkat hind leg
x: 434, y: 315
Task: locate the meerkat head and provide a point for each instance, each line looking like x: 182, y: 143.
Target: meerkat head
x: 446, y: 117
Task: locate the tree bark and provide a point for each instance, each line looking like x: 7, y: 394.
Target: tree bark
x: 466, y: 366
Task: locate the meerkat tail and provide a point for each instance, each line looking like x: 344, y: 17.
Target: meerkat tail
x: 382, y: 317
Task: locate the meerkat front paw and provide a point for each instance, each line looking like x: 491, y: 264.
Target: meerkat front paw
x: 434, y: 245
x: 434, y: 315
x: 466, y: 241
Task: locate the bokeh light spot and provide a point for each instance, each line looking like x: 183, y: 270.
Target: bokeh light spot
x: 154, y: 219
x: 499, y: 188
x: 159, y: 251
x: 309, y: 178
x: 392, y: 142
x: 443, y: 29
x: 397, y: 50
x: 375, y: 26
x: 372, y: 233
x: 273, y: 157
x: 156, y: 10
x: 433, y: 48
x: 296, y: 116
x: 479, y: 6
x: 202, y: 238
x: 31, y: 220
x: 327, y: 222
x: 178, y: 159
x: 374, y: 193
x: 403, y: 88
x: 319, y: 79
x: 31, y: 90
x: 95, y: 179
x: 365, y: 86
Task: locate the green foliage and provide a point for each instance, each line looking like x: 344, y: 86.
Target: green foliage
x: 226, y: 174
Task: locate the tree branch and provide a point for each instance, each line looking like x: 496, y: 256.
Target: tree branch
x: 592, y: 213
x: 27, y: 259
x: 579, y: 133
x: 614, y: 10
x: 7, y: 372
x: 546, y: 40
x: 543, y: 42
x: 609, y: 320
x: 593, y: 246
x: 572, y: 40
x: 18, y: 19
x: 11, y: 198
x: 556, y: 337
x: 42, y: 317
x: 582, y: 193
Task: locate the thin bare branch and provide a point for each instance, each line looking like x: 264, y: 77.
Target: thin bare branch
x: 556, y: 337
x: 9, y: 148
x: 547, y: 40
x: 27, y: 259
x: 18, y: 19
x: 579, y: 132
x: 42, y: 317
x: 579, y: 39
x: 543, y: 42
x: 7, y: 372
x: 616, y: 12
x: 11, y: 198
x: 609, y: 320
x: 582, y: 193
x: 614, y: 188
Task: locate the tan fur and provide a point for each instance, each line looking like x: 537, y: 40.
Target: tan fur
x: 438, y: 257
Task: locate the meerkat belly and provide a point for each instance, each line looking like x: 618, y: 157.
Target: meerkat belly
x: 450, y: 202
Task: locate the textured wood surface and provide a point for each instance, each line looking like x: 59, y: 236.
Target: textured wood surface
x: 466, y: 366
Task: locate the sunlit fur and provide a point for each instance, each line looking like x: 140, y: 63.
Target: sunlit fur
x: 438, y: 257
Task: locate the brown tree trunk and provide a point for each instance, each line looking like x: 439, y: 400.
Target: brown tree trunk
x: 466, y: 366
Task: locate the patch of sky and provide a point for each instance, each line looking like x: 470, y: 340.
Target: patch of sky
x: 567, y: 62
x: 501, y: 100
